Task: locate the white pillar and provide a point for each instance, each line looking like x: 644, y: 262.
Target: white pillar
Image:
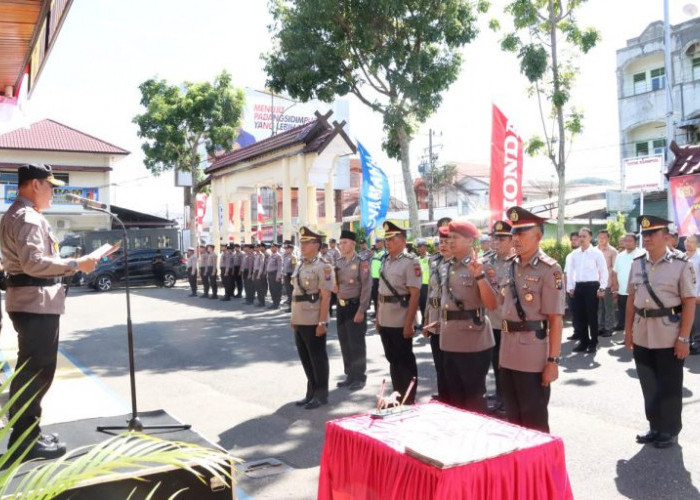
x: 302, y: 194
x: 286, y: 201
x: 248, y: 220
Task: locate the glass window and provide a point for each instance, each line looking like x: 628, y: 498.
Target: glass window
x: 641, y: 148
x: 8, y: 177
x: 659, y: 146
x: 696, y: 68
x: 658, y: 78
x: 640, y: 83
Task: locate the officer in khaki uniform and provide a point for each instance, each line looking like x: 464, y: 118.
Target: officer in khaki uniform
x: 274, y: 283
x: 192, y: 271
x: 659, y: 319
x: 353, y: 288
x: 532, y: 306
x: 203, y: 263
x: 466, y: 338
x: 34, y: 301
x: 400, y: 279
x: 226, y: 265
x: 212, y: 261
x: 247, y: 266
x: 312, y: 281
x: 497, y: 258
x: 433, y: 310
x: 289, y: 263
x: 260, y: 274
x: 237, y: 275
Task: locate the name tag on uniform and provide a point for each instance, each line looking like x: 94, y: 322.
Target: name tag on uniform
x: 533, y: 279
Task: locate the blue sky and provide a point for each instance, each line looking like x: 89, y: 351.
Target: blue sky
x: 108, y: 47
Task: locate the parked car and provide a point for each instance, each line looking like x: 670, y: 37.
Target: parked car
x: 111, y: 272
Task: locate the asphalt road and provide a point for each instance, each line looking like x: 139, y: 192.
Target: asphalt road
x: 232, y: 372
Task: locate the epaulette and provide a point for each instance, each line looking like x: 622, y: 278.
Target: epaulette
x: 467, y: 259
x: 408, y: 255
x: 640, y: 256
x: 679, y: 256
x: 436, y: 256
x: 31, y: 216
x: 547, y: 259
x: 511, y: 257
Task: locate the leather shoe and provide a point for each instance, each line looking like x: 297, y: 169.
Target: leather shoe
x: 314, y: 403
x: 573, y: 337
x: 605, y: 333
x: 45, y: 448
x: 592, y: 348
x: 344, y: 383
x: 580, y: 347
x: 303, y: 402
x: 649, y: 437
x: 665, y: 440
x: 356, y: 385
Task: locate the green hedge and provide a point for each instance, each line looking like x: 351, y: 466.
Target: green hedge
x: 556, y: 249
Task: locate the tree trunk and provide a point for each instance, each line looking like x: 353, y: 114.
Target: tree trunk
x: 408, y: 185
x: 193, y: 216
x: 561, y: 154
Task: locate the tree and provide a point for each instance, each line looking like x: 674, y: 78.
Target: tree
x: 395, y: 57
x: 617, y: 229
x: 547, y: 38
x: 181, y: 121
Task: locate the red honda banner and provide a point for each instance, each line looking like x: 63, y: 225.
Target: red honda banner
x: 506, y: 167
x: 685, y: 192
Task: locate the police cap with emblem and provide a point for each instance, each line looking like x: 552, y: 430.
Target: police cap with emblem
x: 464, y: 227
x: 523, y: 220
x: 37, y: 171
x: 652, y: 223
x: 230, y: 246
x: 348, y: 235
x: 274, y: 244
x: 306, y: 235
x: 391, y: 230
x: 443, y: 226
x: 501, y: 228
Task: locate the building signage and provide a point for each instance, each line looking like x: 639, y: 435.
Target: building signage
x: 643, y: 173
x: 59, y: 194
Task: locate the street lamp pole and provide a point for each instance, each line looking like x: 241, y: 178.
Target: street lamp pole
x: 670, y: 133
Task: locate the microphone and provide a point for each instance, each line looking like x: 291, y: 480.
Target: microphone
x: 86, y: 202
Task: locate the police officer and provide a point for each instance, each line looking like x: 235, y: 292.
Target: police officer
x: 274, y: 282
x: 375, y: 265
x: 659, y: 320
x: 35, y: 300
x: 466, y: 338
x: 203, y: 263
x: 192, y: 271
x: 212, y: 270
x: 260, y: 274
x: 237, y: 275
x: 289, y: 263
x: 226, y: 265
x: 532, y: 306
x: 364, y: 252
x: 353, y: 288
x: 400, y: 280
x: 433, y: 310
x: 247, y: 265
x: 333, y: 250
x: 312, y: 281
x: 497, y: 259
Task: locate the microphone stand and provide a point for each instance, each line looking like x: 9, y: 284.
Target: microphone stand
x: 134, y: 424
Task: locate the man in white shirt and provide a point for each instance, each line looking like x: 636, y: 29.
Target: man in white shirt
x: 621, y: 273
x: 691, y: 251
x: 585, y: 284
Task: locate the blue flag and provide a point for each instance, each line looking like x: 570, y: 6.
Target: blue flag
x: 374, y: 198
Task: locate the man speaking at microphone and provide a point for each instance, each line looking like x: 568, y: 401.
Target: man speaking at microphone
x: 35, y: 300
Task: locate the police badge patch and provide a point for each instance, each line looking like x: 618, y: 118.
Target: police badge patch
x: 558, y: 282
x: 417, y: 270
x: 328, y: 271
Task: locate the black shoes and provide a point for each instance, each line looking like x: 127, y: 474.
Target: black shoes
x: 315, y: 403
x: 303, y: 402
x: 192, y: 295
x: 226, y: 299
x: 592, y: 348
x: 649, y: 437
x: 344, y: 383
x: 356, y: 385
x: 205, y: 296
x: 47, y: 447
x: 664, y: 440
x: 658, y: 439
x: 573, y: 337
x: 580, y: 347
x: 605, y: 333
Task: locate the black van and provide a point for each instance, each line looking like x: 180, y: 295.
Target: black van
x: 110, y: 272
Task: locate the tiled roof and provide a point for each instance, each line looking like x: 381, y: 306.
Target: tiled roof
x: 687, y: 160
x: 314, y: 136
x: 49, y: 135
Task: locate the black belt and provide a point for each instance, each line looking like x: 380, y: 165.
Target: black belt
x: 435, y: 302
x: 14, y: 280
x: 597, y: 283
x: 460, y: 315
x: 348, y: 302
x: 309, y: 297
x: 658, y: 313
x: 392, y: 299
x: 523, y: 326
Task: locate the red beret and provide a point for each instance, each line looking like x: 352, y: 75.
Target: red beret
x: 464, y: 227
x: 444, y: 231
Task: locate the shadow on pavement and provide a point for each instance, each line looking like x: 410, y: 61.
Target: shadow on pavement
x: 654, y: 473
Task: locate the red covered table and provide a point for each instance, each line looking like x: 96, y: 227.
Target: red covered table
x: 365, y: 458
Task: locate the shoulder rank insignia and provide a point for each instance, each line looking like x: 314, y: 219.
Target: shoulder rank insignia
x: 417, y: 270
x: 558, y: 282
x: 547, y: 259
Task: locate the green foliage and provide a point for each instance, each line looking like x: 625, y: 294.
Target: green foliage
x: 617, y: 229
x: 396, y: 57
x: 534, y: 146
x: 126, y: 453
x: 556, y: 249
x: 180, y: 118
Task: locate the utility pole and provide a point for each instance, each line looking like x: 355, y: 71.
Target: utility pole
x: 431, y: 167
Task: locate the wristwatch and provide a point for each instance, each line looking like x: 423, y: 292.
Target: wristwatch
x: 322, y: 323
x: 553, y: 360
x: 685, y: 340
x: 480, y: 276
